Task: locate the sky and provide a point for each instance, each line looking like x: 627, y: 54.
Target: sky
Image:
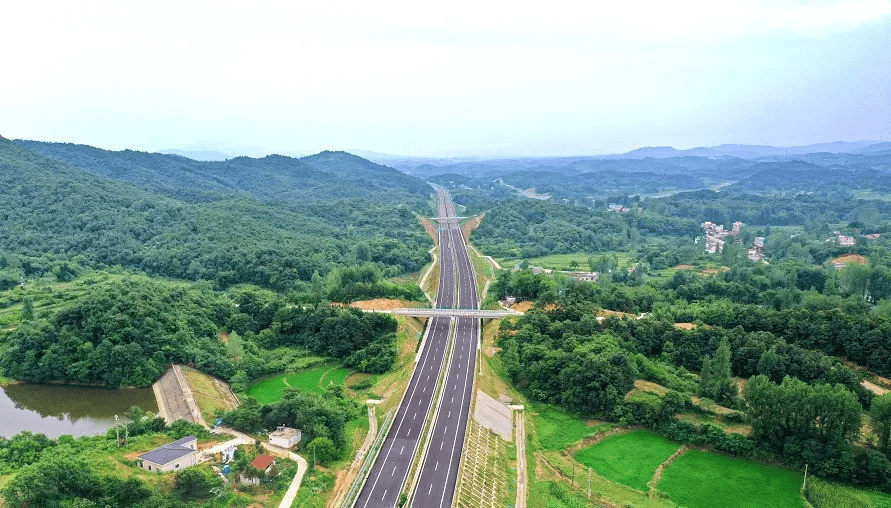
x: 457, y: 78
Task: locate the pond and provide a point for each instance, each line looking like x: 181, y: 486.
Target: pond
x: 66, y: 409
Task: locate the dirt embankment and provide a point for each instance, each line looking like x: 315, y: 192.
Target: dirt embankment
x: 524, y: 306
x: 470, y: 225
x: 382, y: 304
x: 848, y: 259
x: 431, y: 230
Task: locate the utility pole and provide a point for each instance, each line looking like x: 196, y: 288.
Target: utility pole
x: 589, y: 483
x: 804, y: 484
x: 117, y: 430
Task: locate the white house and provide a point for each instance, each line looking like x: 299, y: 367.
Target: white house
x: 177, y: 455
x: 285, y: 437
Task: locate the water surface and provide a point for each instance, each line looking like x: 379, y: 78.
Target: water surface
x: 66, y: 409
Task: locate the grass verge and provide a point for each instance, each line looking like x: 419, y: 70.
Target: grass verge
x: 630, y: 458
x: 704, y: 480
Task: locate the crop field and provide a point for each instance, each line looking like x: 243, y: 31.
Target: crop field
x: 832, y: 495
x: 313, y: 380
x: 557, y: 430
x: 704, y: 480
x: 630, y: 458
x: 563, y: 261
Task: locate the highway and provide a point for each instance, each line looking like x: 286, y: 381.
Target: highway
x: 439, y: 472
x: 388, y: 474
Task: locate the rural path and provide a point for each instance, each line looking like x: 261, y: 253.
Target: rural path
x: 520, y: 441
x: 350, y: 476
x: 653, y: 492
x: 238, y: 439
x: 302, y: 466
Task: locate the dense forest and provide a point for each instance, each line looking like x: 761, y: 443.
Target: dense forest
x: 272, y: 222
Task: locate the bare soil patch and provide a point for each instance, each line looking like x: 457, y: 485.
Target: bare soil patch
x: 224, y: 337
x: 525, y: 306
x: 431, y: 229
x: 850, y: 258
x: 381, y: 304
x: 650, y: 387
x: 605, y: 313
x: 470, y: 225
x: 713, y: 271
x: 490, y: 351
x: 874, y: 388
x: 683, y: 267
x: 684, y: 326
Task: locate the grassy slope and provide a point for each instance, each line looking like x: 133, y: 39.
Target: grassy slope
x: 557, y: 429
x: 704, y: 480
x: 313, y: 380
x: 630, y: 459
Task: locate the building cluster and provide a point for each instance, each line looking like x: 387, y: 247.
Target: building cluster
x: 844, y: 240
x: 183, y: 453
x: 715, y: 235
x: 756, y: 253
x: 716, y: 238
x: 617, y: 208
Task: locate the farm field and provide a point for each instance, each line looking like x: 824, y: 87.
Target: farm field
x: 833, y: 495
x: 704, y: 480
x: 557, y: 430
x: 630, y: 458
x: 314, y: 380
x: 562, y: 261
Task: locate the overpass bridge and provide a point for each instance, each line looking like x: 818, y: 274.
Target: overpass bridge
x: 468, y: 313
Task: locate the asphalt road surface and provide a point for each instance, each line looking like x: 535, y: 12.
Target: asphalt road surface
x: 388, y: 475
x: 439, y: 473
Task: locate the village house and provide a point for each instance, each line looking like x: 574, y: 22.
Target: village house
x: 263, y: 464
x: 844, y: 240
x: 179, y: 454
x: 756, y: 253
x: 588, y: 276
x: 285, y: 437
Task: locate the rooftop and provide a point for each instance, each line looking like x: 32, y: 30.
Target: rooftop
x: 169, y: 452
x: 262, y: 462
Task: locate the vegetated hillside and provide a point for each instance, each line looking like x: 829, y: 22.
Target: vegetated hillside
x: 273, y: 221
x: 321, y: 177
x: 806, y: 176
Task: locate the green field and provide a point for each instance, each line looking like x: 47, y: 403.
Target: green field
x: 270, y: 390
x: 562, y: 261
x: 833, y: 495
x: 705, y: 480
x: 630, y: 458
x: 557, y: 430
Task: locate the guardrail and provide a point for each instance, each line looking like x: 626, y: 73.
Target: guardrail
x: 369, y: 460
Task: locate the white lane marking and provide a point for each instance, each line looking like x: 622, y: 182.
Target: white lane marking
x: 450, y: 415
x: 402, y: 450
x: 415, y: 416
x: 394, y: 471
x: 426, y: 357
x: 436, y: 467
x: 385, y: 495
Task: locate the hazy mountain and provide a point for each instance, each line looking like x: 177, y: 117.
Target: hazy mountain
x: 197, y: 155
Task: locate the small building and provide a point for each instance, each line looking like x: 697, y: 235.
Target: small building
x: 587, y: 276
x: 285, y: 437
x: 756, y: 253
x: 844, y: 240
x: 179, y: 454
x: 263, y: 462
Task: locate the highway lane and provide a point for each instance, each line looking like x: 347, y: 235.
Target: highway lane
x: 387, y: 477
x: 439, y: 473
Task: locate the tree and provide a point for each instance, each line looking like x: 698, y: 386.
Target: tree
x: 716, y: 378
x: 881, y: 420
x: 194, y: 483
x: 323, y: 449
